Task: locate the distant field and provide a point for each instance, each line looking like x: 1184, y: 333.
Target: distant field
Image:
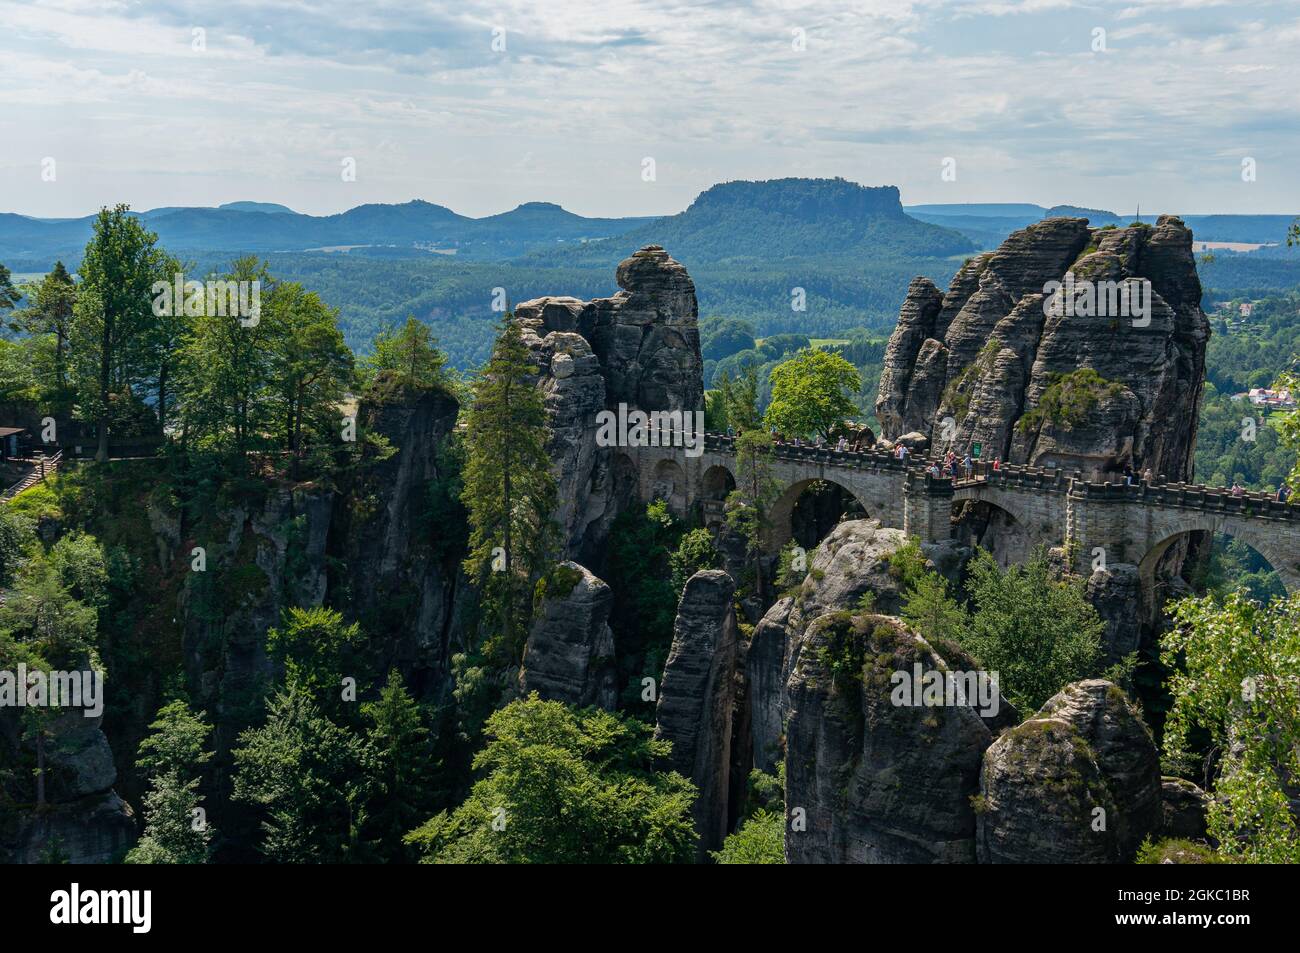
x: 815, y: 342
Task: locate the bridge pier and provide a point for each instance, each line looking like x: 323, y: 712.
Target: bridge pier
x: 927, y: 507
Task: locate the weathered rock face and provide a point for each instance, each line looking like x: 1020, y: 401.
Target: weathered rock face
x: 640, y: 348
x: 879, y: 782
x: 83, y: 821
x: 1116, y: 593
x: 403, y: 582
x: 226, y: 609
x: 1183, y: 807
x: 850, y: 562
x: 569, y: 375
x: 79, y: 760
x: 697, y: 698
x: 1043, y: 782
x: 570, y: 652
x: 97, y: 829
x: 987, y: 355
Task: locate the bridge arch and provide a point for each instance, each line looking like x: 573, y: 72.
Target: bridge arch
x: 668, y: 482
x: 781, y: 516
x: 718, y: 481
x: 998, y: 520
x: 1186, y: 525
x: 716, y: 485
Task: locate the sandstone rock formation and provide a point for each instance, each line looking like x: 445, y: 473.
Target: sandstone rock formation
x: 1077, y: 783
x: 878, y: 782
x: 1183, y: 807
x: 570, y: 652
x: 640, y: 348
x: 851, y: 561
x: 83, y: 821
x: 98, y: 829
x: 1116, y: 593
x: 697, y: 698
x: 986, y: 355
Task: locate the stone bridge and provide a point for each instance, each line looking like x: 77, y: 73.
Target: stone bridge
x: 1050, y: 507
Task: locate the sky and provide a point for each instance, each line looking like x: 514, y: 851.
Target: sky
x: 481, y: 106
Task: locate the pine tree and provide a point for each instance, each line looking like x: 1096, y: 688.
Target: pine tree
x: 403, y: 766
x: 8, y: 293
x: 509, y: 489
x: 176, y: 829
x: 311, y: 780
x: 411, y: 354
x: 49, y: 311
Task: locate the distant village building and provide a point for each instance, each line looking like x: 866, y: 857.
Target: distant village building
x: 1268, y: 398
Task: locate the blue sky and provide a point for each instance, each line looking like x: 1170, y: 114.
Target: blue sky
x: 881, y: 93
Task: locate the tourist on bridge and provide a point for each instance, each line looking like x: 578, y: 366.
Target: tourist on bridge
x: 968, y: 465
x: 1146, y: 476
x: 1238, y: 489
x: 1283, y: 492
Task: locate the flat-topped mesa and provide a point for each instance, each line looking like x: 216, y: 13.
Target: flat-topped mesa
x: 641, y: 348
x: 1068, y: 346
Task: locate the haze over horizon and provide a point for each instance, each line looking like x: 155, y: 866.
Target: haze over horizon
x: 880, y: 93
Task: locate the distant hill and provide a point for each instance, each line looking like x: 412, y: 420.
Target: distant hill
x: 782, y: 220
x: 1025, y: 210
x: 256, y: 207
x: 414, y: 229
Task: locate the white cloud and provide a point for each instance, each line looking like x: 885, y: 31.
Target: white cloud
x: 883, y: 90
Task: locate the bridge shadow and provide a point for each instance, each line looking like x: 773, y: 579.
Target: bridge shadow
x: 808, y: 510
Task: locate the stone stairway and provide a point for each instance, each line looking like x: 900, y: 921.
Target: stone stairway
x: 41, y: 468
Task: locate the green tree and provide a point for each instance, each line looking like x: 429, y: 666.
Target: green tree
x: 566, y: 786
x: 759, y: 840
x: 931, y: 611
x: 1037, y: 632
x: 226, y: 372
x: 1288, y: 427
x: 812, y: 393
x: 695, y: 552
x: 310, y: 369
x: 172, y: 756
x: 51, y: 305
x: 747, y: 507
x: 17, y: 536
x: 1236, y: 675
x: 114, y: 314
x: 9, y: 295
x: 309, y: 778
x: 509, y: 490
x: 741, y: 401
x: 403, y: 766
x: 317, y: 650
x: 410, y: 353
